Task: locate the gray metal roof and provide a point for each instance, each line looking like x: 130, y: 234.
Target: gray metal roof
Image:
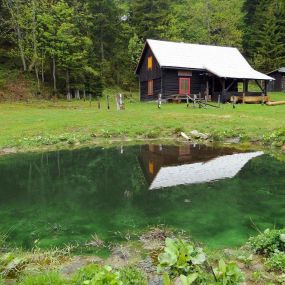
x: 225, y: 62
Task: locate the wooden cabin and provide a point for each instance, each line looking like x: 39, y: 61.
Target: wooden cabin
x: 180, y: 69
x: 278, y: 85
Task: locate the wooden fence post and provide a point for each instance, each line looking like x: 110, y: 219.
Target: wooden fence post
x: 108, y: 102
x: 159, y: 101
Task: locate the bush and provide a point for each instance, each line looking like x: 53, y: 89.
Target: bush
x: 132, y: 276
x: 97, y: 275
x: 268, y: 242
x: 49, y: 278
x: 276, y: 261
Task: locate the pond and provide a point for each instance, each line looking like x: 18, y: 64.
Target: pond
x: 218, y: 195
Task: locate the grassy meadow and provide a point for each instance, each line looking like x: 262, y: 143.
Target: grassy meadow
x: 34, y: 124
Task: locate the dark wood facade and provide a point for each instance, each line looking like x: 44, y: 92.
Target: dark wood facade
x: 166, y: 81
x: 278, y: 85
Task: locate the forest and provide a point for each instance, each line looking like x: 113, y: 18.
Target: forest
x: 77, y: 46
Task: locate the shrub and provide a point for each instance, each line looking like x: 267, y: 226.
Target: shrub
x: 132, y: 276
x: 180, y: 257
x: 97, y: 275
x: 49, y: 278
x: 228, y: 274
x: 276, y: 261
x: 268, y: 242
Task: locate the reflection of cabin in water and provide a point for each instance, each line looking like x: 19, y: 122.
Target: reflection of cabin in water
x: 166, y: 166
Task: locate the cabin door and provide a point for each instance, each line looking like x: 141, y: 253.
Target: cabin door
x: 184, y: 86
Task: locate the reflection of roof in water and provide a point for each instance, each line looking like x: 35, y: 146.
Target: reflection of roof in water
x: 222, y: 167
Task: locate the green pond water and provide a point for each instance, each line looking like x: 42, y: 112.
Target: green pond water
x: 215, y: 194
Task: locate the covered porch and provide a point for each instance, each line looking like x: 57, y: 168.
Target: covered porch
x: 241, y: 93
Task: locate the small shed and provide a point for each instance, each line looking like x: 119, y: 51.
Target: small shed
x: 182, y: 69
x: 278, y: 85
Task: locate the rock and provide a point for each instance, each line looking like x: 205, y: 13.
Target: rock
x: 80, y: 261
x: 121, y: 256
x: 258, y: 267
x: 235, y: 140
x: 121, y: 252
x: 196, y: 135
x: 184, y: 136
x: 150, y: 269
x: 229, y: 252
x: 11, y: 150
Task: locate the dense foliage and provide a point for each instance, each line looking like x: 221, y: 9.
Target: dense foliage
x: 268, y: 242
x: 83, y: 46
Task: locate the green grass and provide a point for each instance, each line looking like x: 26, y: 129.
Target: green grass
x: 39, y: 123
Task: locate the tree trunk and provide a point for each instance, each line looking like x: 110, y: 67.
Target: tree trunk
x: 38, y: 79
x: 21, y: 49
x: 84, y: 95
x: 77, y: 94
x: 68, y: 96
x: 54, y: 74
x: 43, y: 71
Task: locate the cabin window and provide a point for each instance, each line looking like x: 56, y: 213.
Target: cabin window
x: 150, y: 167
x: 150, y: 87
x: 184, y: 86
x: 149, y: 63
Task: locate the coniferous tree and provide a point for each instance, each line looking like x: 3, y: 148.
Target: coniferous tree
x: 150, y: 18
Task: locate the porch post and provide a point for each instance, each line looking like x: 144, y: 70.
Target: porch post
x: 213, y: 86
x: 246, y: 86
x: 223, y: 89
x: 207, y: 88
x: 265, y: 87
x: 244, y: 91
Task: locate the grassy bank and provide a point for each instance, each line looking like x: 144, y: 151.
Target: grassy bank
x: 36, y: 124
x: 157, y: 256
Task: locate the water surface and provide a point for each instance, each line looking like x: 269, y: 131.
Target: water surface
x: 218, y: 195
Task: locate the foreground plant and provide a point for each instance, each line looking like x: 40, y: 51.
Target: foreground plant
x: 228, y: 274
x: 180, y: 257
x: 97, y: 275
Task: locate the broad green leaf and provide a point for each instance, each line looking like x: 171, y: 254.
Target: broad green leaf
x: 282, y: 237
